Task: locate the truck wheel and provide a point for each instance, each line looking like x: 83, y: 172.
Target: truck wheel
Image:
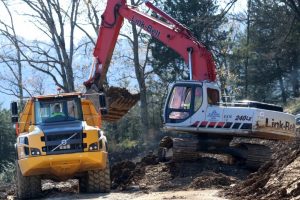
x: 96, y: 181
x: 28, y: 187
x: 83, y: 184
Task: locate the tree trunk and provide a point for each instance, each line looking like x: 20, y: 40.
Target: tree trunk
x: 139, y: 71
x: 295, y: 75
x: 282, y: 88
x: 247, y: 50
x: 281, y: 82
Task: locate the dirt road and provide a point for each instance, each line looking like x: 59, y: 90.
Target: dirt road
x: 206, y: 194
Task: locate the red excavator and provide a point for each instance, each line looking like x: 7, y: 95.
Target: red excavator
x: 194, y: 106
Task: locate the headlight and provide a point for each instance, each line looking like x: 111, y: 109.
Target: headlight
x: 93, y: 146
x: 35, y: 152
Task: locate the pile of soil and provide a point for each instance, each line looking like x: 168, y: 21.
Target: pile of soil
x: 51, y: 188
x: 123, y: 155
x: 277, y: 179
x: 7, y: 190
x: 151, y: 175
x: 211, y: 179
x: 126, y: 173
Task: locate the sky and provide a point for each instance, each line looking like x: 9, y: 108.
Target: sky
x: 26, y: 29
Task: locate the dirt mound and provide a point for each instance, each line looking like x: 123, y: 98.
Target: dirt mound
x: 151, y: 175
x: 127, y: 173
x: 50, y: 187
x: 211, y: 179
x: 7, y: 190
x: 277, y: 179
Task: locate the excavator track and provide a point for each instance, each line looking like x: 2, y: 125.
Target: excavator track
x: 251, y: 153
x: 257, y: 155
x: 185, y: 149
x: 255, y: 151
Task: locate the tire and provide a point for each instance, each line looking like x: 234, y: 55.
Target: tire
x: 83, y: 184
x: 28, y: 187
x: 96, y: 181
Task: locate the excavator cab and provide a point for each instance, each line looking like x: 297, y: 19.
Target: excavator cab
x: 187, y: 98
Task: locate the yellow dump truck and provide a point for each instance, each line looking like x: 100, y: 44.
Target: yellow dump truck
x: 59, y: 137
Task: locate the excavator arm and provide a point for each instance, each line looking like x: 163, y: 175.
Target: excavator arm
x: 172, y: 34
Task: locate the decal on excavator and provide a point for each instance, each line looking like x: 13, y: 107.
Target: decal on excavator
x: 280, y: 125
x: 243, y: 118
x: 214, y: 116
x: 155, y: 33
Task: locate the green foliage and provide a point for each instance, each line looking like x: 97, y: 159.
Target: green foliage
x: 8, y: 172
x: 272, y: 53
x: 202, y: 18
x: 127, y: 144
x: 7, y: 139
x: 127, y: 132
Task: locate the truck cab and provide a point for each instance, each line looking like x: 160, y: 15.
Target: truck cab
x: 60, y: 137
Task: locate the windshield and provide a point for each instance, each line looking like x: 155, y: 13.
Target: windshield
x: 184, y: 101
x: 56, y: 111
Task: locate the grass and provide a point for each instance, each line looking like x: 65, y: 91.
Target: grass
x: 8, y: 173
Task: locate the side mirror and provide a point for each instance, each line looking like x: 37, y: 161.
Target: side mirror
x: 14, y: 108
x: 14, y: 112
x: 102, y: 102
x: 14, y: 119
x: 104, y: 111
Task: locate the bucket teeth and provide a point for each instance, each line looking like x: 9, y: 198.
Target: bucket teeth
x: 119, y: 101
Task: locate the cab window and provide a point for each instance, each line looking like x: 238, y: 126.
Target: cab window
x: 58, y: 110
x: 213, y: 97
x: 180, y: 99
x: 183, y: 102
x: 198, y: 98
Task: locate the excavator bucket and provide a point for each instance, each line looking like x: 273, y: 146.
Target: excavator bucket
x: 119, y: 102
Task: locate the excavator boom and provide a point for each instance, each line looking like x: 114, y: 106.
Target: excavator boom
x: 172, y: 34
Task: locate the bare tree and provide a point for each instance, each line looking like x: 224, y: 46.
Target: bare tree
x: 10, y: 58
x: 56, y: 20
x: 140, y: 71
x: 138, y: 41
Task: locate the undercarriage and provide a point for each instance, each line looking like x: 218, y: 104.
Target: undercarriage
x: 188, y: 147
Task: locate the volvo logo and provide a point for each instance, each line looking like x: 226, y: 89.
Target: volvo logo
x: 64, y: 142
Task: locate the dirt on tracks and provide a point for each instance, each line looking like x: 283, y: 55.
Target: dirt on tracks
x: 277, y: 179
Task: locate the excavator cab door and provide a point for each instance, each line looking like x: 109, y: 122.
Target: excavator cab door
x: 183, y: 101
